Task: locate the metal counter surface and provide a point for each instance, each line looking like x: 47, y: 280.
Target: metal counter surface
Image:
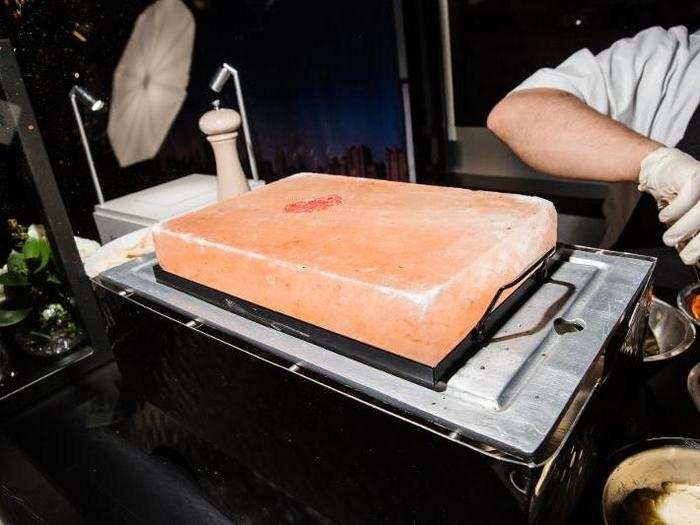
x: 511, y: 394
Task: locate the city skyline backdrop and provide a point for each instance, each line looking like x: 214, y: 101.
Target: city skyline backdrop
x: 356, y: 161
x: 318, y: 83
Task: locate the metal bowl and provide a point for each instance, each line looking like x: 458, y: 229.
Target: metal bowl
x: 672, y: 330
x: 670, y: 459
x: 684, y: 298
x: 693, y: 384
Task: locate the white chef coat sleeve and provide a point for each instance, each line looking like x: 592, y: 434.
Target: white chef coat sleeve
x: 628, y: 81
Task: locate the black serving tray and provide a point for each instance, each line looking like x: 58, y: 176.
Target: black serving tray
x: 431, y: 377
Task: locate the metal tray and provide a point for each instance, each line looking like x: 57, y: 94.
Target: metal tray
x: 519, y: 394
x: 429, y: 376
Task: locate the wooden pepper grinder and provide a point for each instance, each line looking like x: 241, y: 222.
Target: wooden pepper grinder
x: 220, y: 125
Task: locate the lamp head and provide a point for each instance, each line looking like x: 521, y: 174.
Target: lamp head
x: 95, y: 104
x: 220, y: 78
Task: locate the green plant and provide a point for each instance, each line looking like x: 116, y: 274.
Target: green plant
x: 32, y: 287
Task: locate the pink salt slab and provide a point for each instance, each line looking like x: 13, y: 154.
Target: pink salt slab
x: 406, y: 268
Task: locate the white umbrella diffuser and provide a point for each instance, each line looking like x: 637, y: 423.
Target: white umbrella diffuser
x: 150, y: 82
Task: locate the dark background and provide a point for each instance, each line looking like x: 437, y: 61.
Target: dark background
x: 496, y: 44
x: 319, y: 78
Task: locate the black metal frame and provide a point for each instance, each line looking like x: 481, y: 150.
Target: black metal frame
x: 425, y: 375
x: 60, y: 236
x: 421, y: 22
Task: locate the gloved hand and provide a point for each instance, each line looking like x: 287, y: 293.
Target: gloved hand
x: 673, y: 179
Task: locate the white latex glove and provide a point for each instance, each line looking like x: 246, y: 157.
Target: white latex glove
x: 673, y: 179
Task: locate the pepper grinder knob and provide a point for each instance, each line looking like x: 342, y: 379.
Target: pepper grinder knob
x: 221, y: 128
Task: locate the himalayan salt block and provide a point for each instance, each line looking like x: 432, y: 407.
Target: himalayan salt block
x: 406, y: 268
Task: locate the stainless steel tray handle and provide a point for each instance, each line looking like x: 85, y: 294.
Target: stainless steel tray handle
x: 539, y: 266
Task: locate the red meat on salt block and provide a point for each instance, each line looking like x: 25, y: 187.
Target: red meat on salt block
x: 407, y: 268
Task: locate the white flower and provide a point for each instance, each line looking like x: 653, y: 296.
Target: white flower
x: 36, y: 231
x: 86, y: 247
x: 51, y: 311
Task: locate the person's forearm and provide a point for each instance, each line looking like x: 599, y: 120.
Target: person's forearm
x: 556, y: 133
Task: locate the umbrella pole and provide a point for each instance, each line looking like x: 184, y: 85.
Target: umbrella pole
x: 86, y: 147
x: 244, y: 117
